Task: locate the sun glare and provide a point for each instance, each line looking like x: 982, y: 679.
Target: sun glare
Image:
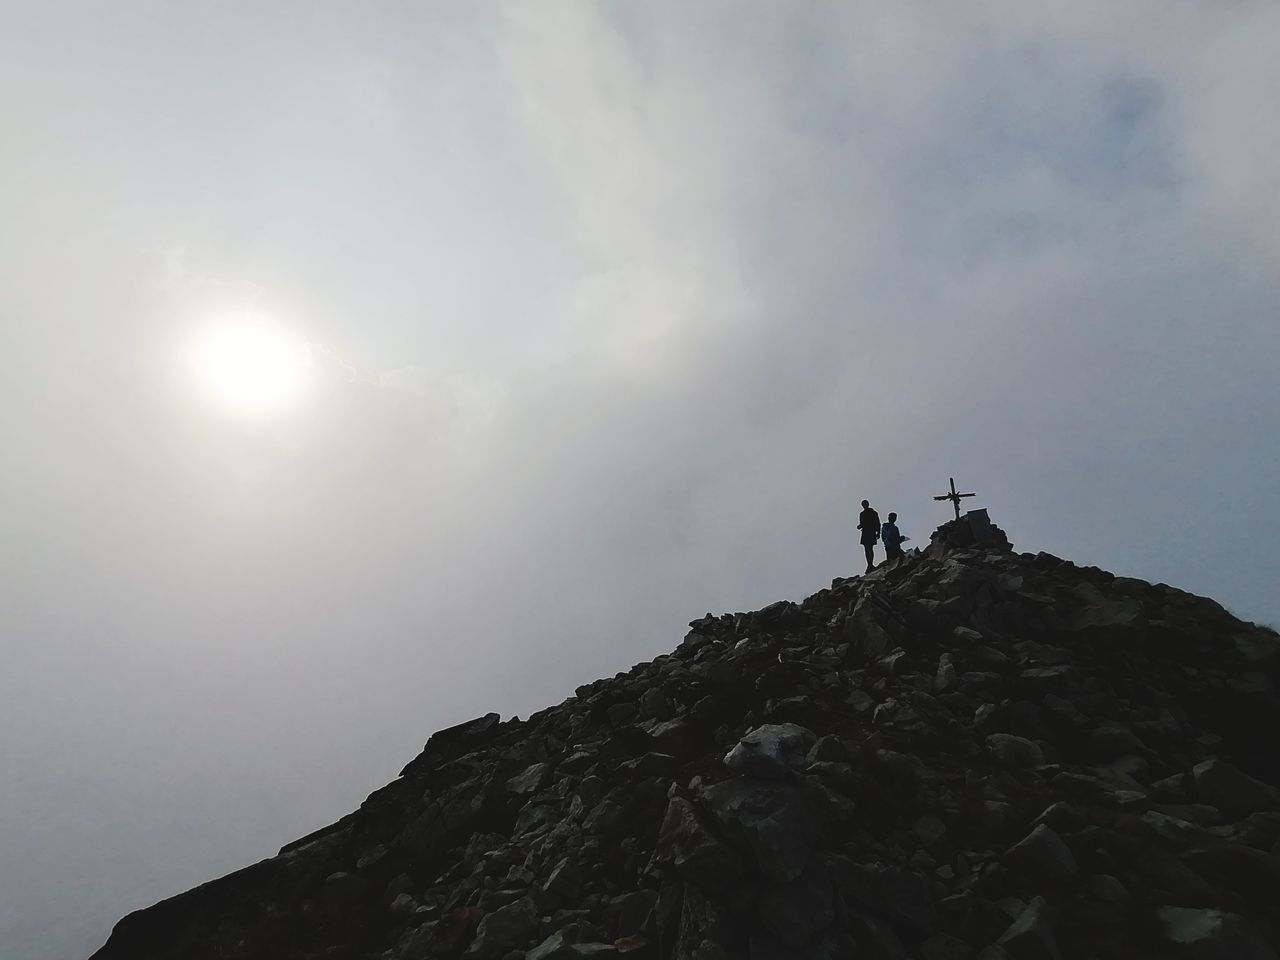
x: 250, y: 368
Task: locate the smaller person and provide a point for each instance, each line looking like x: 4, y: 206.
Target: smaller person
x: 892, y: 537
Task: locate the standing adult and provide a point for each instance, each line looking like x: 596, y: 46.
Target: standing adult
x: 869, y: 524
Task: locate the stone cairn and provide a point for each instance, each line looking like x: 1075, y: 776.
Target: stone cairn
x: 969, y: 753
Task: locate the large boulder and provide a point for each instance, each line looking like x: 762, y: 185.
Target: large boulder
x: 771, y: 751
x: 776, y: 822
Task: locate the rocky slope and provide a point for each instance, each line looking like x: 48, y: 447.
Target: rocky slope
x: 970, y: 753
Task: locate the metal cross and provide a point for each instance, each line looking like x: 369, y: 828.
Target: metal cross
x: 955, y: 497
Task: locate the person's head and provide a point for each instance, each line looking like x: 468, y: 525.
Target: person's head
x: 866, y: 503
x: 893, y: 518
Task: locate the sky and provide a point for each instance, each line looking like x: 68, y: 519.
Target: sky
x: 606, y: 315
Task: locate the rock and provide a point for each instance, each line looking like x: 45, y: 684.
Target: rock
x: 989, y: 656
x: 1111, y: 740
x: 634, y: 910
x: 565, y: 945
x: 893, y: 893
x: 652, y: 765
x: 603, y: 816
x: 767, y: 948
x: 403, y: 905
x: 864, y: 630
x: 1042, y: 857
x: 1031, y: 936
x: 555, y: 947
x: 532, y: 779
x: 828, y: 749
x: 1211, y: 935
x: 945, y: 676
x: 686, y: 845
x: 1228, y: 865
x: 471, y: 731
x: 415, y: 944
x: 770, y: 751
x: 504, y: 930
x: 1063, y: 817
x: 1107, y: 888
x: 796, y: 912
x: 1177, y: 833
x: 620, y: 713
x: 1080, y: 787
x: 707, y: 929
x: 1038, y: 682
x: 860, y: 701
x: 565, y: 880
x: 654, y: 705
x: 1258, y: 830
x: 343, y: 893
x: 988, y: 719
x: 455, y: 930
x: 774, y: 821
x: 1014, y: 751
x: 1200, y: 814
x: 1173, y: 788
x: 929, y: 829
x: 945, y: 947
x: 1170, y: 878
x: 1100, y: 620
x: 876, y: 939
x: 1234, y: 793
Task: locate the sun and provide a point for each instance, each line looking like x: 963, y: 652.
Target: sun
x: 250, y: 368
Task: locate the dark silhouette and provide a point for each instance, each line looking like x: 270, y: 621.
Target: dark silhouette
x: 869, y: 524
x: 954, y: 497
x: 295, y: 906
x: 892, y: 538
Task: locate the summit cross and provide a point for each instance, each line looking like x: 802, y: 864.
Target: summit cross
x: 954, y: 497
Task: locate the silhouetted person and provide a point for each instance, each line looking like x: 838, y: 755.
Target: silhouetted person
x: 892, y: 538
x: 869, y: 524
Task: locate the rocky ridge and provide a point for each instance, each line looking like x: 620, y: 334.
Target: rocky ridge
x: 970, y: 753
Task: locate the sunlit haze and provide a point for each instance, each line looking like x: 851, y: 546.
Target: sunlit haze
x: 369, y: 368
x: 248, y: 367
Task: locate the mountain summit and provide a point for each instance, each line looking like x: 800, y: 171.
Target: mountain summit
x: 969, y: 753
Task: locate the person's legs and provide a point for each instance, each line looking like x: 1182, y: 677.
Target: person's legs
x: 871, y: 559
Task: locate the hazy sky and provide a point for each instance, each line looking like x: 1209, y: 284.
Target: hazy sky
x: 614, y: 312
